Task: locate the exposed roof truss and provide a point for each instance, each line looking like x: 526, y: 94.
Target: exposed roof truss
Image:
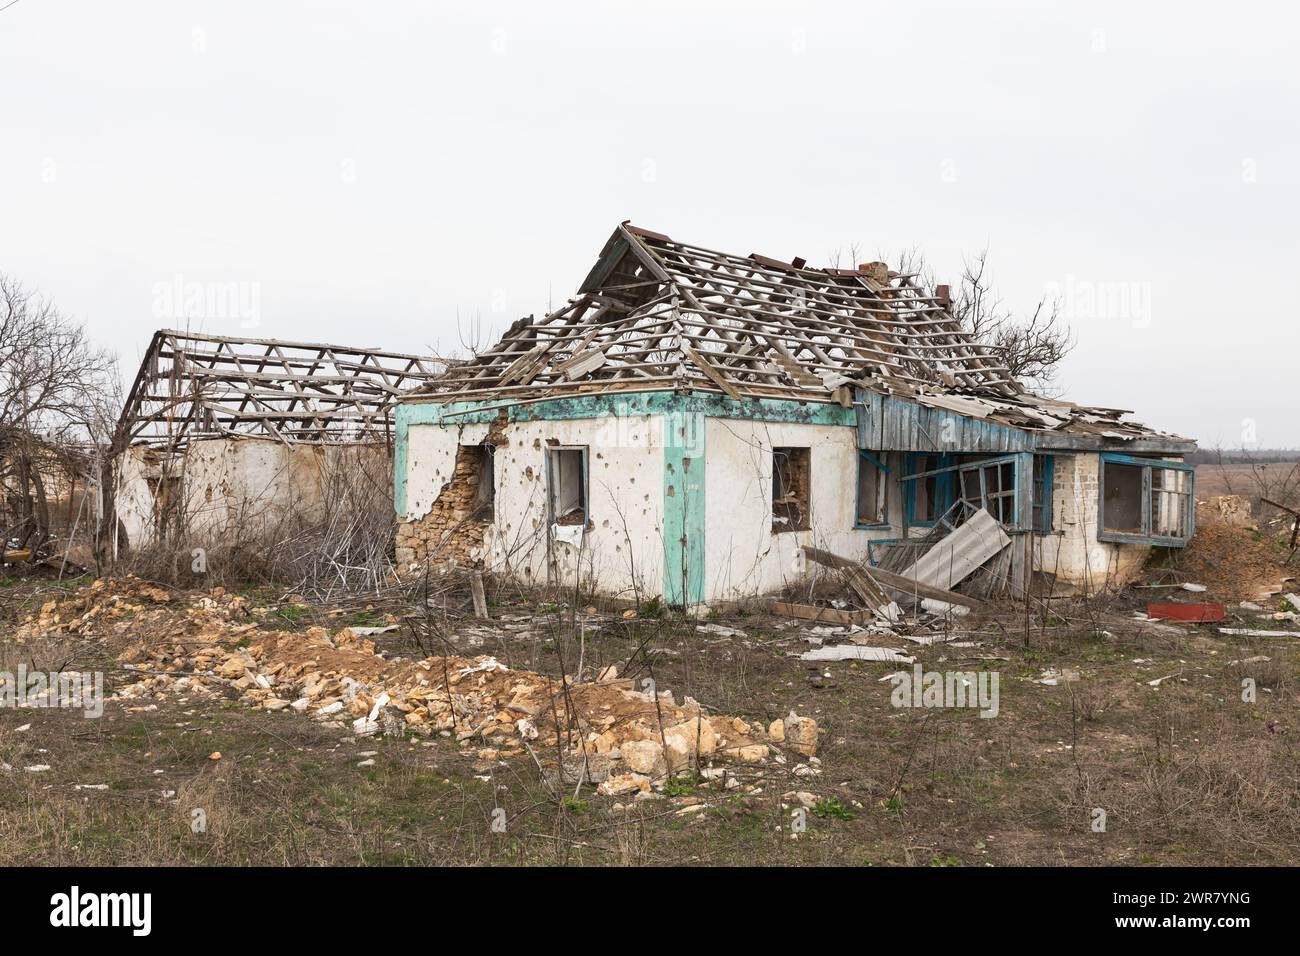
x: 205, y: 386
x: 659, y: 313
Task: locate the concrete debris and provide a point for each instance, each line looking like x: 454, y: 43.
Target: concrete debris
x: 943, y: 608
x: 1051, y: 677
x: 801, y: 733
x: 210, y: 644
x: 855, y: 652
x: 802, y: 797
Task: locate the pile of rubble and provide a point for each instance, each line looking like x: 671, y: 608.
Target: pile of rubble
x: 603, y: 731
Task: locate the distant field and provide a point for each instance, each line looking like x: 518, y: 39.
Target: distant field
x: 1249, y: 480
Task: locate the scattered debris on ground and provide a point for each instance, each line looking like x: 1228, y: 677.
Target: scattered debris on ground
x: 604, y: 731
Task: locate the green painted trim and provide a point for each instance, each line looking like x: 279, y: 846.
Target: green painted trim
x: 399, y: 463
x: 684, y: 416
x: 684, y: 501
x: 628, y: 404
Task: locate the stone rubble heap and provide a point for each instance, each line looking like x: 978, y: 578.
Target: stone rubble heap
x: 605, y: 731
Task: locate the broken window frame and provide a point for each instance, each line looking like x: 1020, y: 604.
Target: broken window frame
x: 804, y: 522
x: 1187, y: 504
x: 552, y: 484
x: 867, y: 460
x: 951, y: 485
x: 943, y: 498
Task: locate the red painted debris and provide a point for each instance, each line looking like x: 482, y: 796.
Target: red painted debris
x: 1197, y: 613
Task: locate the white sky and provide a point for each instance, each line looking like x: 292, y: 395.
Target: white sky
x: 370, y: 171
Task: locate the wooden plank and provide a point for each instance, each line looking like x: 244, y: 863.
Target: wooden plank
x: 713, y: 374
x: 896, y: 582
x: 824, y: 615
x: 867, y: 590
x: 480, y: 598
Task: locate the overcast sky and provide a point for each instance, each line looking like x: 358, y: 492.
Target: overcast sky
x: 368, y: 172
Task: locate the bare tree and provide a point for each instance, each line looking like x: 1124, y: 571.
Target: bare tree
x: 57, y: 403
x: 1031, y: 346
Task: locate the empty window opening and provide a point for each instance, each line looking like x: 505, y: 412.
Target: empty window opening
x: 791, y: 483
x: 1146, y: 501
x: 567, y: 468
x: 485, y: 494
x: 871, y: 502
x: 1121, y: 497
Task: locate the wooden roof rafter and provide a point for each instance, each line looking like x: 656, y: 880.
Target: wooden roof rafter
x: 657, y: 309
x: 192, y: 386
x: 654, y: 314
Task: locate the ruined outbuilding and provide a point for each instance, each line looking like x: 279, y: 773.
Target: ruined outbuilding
x: 222, y: 435
x: 692, y: 420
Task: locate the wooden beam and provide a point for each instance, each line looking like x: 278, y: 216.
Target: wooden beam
x: 894, y: 582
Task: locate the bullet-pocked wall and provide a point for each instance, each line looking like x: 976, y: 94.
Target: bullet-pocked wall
x: 677, y: 491
x: 693, y: 496
x: 609, y: 536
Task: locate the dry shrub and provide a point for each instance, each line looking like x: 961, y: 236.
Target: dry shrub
x: 205, y: 807
x: 1273, y: 674
x: 1092, y: 699
x: 1236, y: 800
x: 631, y: 838
x: 344, y: 546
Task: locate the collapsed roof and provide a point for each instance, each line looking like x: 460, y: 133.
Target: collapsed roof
x: 655, y: 314
x: 208, y: 386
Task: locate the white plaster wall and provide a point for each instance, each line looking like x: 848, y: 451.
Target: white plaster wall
x: 622, y: 549
x: 134, y: 500
x: 743, y: 558
x: 1072, y: 551
x: 246, y: 486
x: 431, y: 460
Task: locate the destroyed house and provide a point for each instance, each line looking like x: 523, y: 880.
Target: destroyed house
x: 222, y: 436
x: 692, y: 420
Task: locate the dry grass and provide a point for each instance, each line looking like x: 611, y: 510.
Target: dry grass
x: 1187, y: 773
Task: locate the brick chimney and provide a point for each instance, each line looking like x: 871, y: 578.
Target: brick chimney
x: 875, y: 270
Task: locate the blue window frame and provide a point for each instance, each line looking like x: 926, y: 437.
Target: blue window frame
x: 927, y: 499
x: 934, y: 483
x: 1145, y: 500
x: 871, y: 507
